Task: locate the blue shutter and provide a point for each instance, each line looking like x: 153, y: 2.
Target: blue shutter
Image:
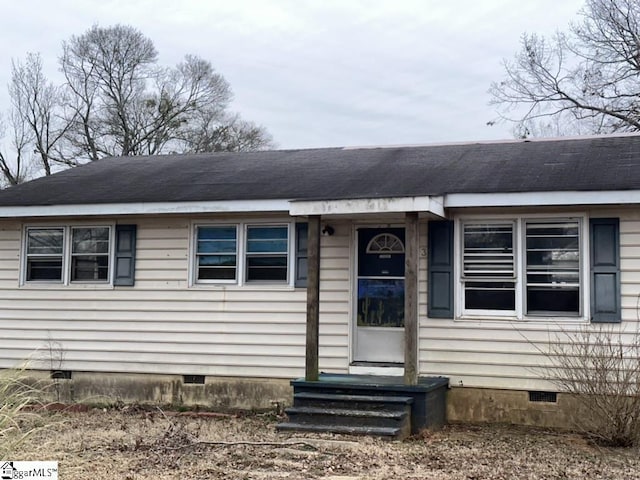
x: 125, y: 257
x: 302, y: 230
x: 440, y: 269
x: 605, y: 270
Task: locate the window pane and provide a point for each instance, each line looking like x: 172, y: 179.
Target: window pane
x: 262, y: 243
x: 489, y: 266
x: 488, y: 251
x: 217, y: 233
x: 216, y: 246
x: 380, y: 303
x: 217, y: 260
x: 490, y: 296
x: 267, y: 268
x: 553, y: 267
x: 267, y: 246
x: 90, y: 240
x: 553, y: 300
x: 267, y: 232
x: 216, y: 249
x: 45, y: 241
x: 90, y: 268
x: 40, y: 268
x: 217, y: 273
x: 267, y: 239
x: 217, y: 239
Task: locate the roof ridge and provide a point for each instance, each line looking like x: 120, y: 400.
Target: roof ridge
x: 496, y: 142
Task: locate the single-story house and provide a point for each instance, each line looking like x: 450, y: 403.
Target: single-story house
x: 219, y: 278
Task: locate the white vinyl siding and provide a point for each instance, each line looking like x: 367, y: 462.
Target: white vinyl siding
x: 166, y: 325
x: 162, y: 324
x: 489, y: 352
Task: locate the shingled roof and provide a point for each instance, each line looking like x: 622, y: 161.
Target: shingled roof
x: 584, y: 164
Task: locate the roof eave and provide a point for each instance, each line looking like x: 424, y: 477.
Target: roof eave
x: 144, y: 208
x: 553, y: 198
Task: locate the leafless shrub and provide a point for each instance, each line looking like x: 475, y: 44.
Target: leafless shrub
x: 600, y: 367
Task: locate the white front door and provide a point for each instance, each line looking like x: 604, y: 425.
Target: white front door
x: 379, y: 290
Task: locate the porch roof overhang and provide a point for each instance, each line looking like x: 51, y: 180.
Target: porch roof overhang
x: 350, y: 206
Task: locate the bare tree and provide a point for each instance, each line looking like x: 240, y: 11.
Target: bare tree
x: 211, y: 133
x: 36, y: 113
x: 122, y: 103
x: 586, y: 78
x: 13, y: 168
x: 36, y: 129
x: 117, y: 100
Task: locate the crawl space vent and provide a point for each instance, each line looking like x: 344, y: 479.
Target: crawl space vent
x: 546, y: 397
x: 193, y: 379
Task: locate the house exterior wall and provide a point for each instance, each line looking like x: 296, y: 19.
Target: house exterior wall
x: 508, y: 353
x: 164, y: 326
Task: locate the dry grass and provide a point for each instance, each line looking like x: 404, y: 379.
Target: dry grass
x: 19, y: 417
x: 135, y: 444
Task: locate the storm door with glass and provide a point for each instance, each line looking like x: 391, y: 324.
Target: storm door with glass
x: 379, y: 305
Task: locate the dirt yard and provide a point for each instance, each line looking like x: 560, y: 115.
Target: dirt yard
x: 136, y: 444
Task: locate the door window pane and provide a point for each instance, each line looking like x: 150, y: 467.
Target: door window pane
x: 380, y: 302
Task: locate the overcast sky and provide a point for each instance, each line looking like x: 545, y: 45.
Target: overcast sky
x: 320, y: 72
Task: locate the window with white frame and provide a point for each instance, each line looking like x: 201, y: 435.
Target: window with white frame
x: 90, y: 254
x: 522, y: 267
x: 67, y: 254
x: 267, y: 250
x: 488, y: 266
x: 552, y: 267
x: 216, y: 253
x: 242, y: 253
x: 44, y: 254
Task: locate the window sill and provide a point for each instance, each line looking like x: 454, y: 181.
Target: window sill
x: 245, y: 287
x: 62, y: 286
x: 547, y: 320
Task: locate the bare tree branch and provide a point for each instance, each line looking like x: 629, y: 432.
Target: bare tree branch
x: 589, y: 75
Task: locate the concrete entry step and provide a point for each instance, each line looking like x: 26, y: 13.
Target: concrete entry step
x: 363, y: 414
x: 361, y: 398
x: 426, y: 400
x: 338, y: 412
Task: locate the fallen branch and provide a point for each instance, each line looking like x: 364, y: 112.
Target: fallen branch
x: 256, y: 444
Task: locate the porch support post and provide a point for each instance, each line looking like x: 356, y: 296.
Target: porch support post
x: 313, y: 298
x: 411, y: 299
